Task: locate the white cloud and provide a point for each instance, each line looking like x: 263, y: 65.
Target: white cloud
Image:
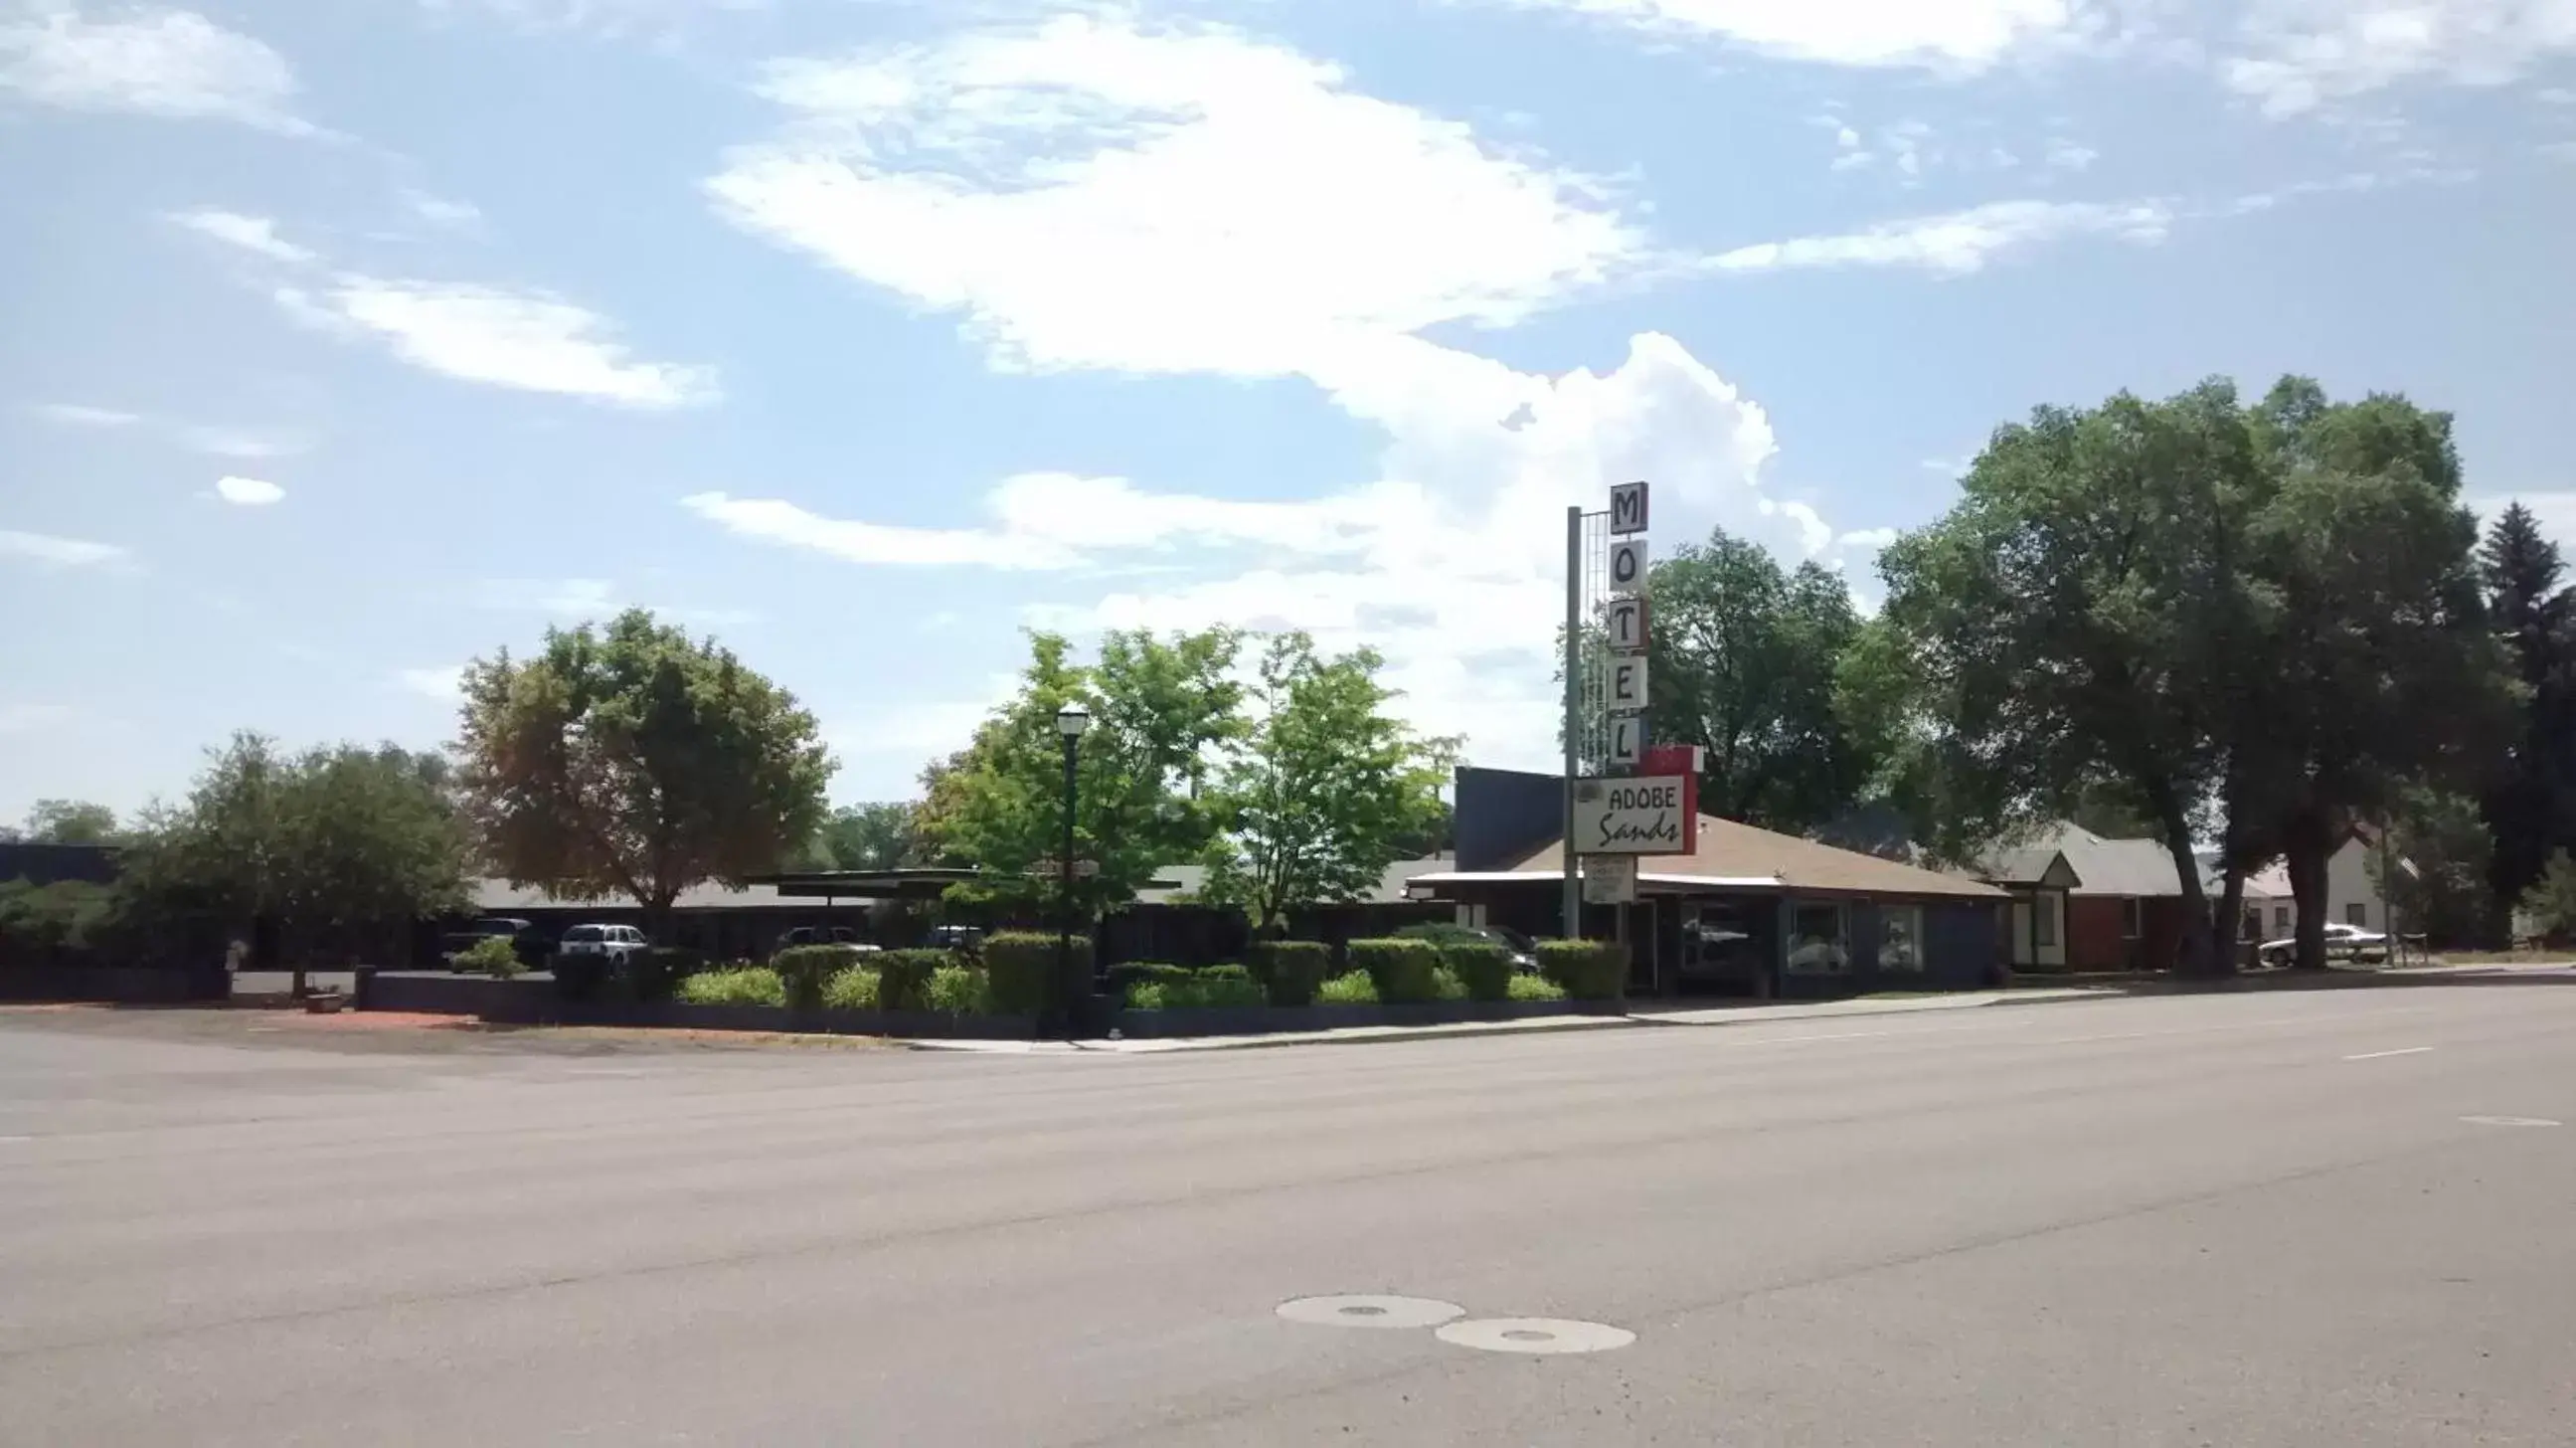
x: 1958, y: 243
x: 1208, y: 202
x: 149, y: 62
x: 1948, y: 34
x: 526, y: 340
x: 442, y: 684
x: 2066, y: 155
x: 439, y: 211
x: 74, y: 414
x: 2555, y: 96
x: 246, y: 445
x: 610, y: 17
x: 586, y: 600
x: 1953, y: 468
x: 249, y: 492
x: 256, y: 234
x: 2294, y: 56
x: 1869, y: 539
x: 28, y: 718
x: 47, y: 551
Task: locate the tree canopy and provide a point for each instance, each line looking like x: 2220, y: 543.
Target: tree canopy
x: 635, y: 760
x: 1326, y: 790
x: 1745, y: 654
x: 2530, y: 804
x: 876, y: 836
x: 69, y: 822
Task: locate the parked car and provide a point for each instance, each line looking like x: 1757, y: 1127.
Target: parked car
x: 957, y: 937
x: 819, y: 935
x: 523, y: 936
x: 2343, y: 942
x: 617, y: 943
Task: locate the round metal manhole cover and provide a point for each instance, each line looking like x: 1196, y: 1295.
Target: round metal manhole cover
x: 1371, y: 1311
x: 2510, y: 1121
x: 1542, y: 1335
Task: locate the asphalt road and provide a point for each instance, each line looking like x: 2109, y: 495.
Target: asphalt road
x: 2193, y: 1221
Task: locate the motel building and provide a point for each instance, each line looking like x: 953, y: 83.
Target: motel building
x: 1745, y: 913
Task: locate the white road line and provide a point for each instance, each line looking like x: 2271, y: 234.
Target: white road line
x: 2383, y: 1055
x: 1837, y: 1036
x: 9, y: 1140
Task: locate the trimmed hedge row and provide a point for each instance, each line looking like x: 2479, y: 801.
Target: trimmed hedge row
x: 1588, y: 970
x: 1290, y: 971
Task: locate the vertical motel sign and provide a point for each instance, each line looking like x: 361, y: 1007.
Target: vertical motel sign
x: 1624, y: 623
x: 1649, y: 804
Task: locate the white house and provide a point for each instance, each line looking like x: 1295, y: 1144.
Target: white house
x: 2352, y: 892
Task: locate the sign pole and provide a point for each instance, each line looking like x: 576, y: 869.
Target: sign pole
x: 1573, y: 710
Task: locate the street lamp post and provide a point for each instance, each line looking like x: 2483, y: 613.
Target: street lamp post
x: 1070, y: 722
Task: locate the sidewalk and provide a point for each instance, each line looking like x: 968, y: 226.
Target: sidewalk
x: 1646, y: 1016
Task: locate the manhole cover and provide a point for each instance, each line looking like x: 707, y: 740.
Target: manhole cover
x: 2509, y: 1121
x: 1535, y: 1335
x: 1370, y: 1311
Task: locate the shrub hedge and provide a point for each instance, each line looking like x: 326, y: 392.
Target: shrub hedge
x: 903, y: 977
x: 957, y: 989
x: 1589, y: 970
x: 494, y: 955
x: 1353, y: 989
x: 1290, y: 971
x: 1206, y: 992
x: 1019, y: 963
x: 735, y: 985
x: 1485, y: 967
x: 1535, y: 988
x: 807, y: 969
x: 851, y: 988
x: 659, y: 971
x: 1405, y: 972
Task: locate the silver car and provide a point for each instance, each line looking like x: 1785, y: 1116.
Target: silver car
x: 2343, y: 942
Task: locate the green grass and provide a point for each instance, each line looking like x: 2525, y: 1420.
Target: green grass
x: 1354, y: 989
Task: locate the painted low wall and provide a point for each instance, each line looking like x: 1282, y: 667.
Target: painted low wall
x: 1262, y: 1020
x: 114, y: 984
x: 532, y: 1001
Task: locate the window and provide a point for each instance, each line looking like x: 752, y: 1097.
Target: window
x: 2281, y: 918
x: 1900, y: 938
x: 2043, y: 919
x: 2132, y: 914
x: 2249, y: 926
x: 1817, y: 945
x: 2357, y: 914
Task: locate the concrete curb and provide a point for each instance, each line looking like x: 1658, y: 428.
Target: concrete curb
x: 1546, y: 1025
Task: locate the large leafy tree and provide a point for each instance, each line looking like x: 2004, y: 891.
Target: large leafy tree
x: 636, y: 760
x: 2070, y: 624
x: 70, y: 822
x: 2531, y: 805
x: 331, y: 853
x: 2374, y: 669
x: 1327, y: 790
x: 1745, y: 657
x: 878, y: 836
x: 1161, y: 710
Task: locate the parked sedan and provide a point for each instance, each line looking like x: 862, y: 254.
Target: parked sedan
x: 2343, y: 942
x: 614, y: 943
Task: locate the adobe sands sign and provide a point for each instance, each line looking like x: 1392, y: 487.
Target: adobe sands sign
x: 1653, y: 808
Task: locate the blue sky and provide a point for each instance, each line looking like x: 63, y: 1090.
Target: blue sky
x: 345, y: 343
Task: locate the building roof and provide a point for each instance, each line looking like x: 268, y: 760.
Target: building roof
x: 1740, y: 857
x: 2102, y: 866
x: 1175, y: 881
x: 500, y: 897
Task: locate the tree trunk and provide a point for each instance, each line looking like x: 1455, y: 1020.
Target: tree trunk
x: 2307, y: 855
x: 657, y: 918
x: 2231, y: 912
x: 2199, y: 955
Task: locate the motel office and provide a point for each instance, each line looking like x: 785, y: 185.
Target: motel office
x: 1746, y: 913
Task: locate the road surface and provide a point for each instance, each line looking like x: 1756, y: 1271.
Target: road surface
x: 2316, y: 1218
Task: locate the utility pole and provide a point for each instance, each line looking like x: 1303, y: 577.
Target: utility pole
x: 1573, y: 710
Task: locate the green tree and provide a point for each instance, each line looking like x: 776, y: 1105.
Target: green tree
x: 2531, y: 804
x: 2549, y: 906
x: 1745, y: 658
x: 2434, y: 871
x: 70, y: 822
x: 2070, y: 625
x: 1161, y: 710
x: 638, y: 761
x: 2374, y: 668
x: 878, y: 836
x: 1327, y: 790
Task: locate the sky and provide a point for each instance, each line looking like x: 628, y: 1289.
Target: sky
x: 343, y: 343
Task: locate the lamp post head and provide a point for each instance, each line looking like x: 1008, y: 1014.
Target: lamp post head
x: 1072, y: 720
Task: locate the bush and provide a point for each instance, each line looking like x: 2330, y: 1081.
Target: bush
x: 1589, y: 970
x: 956, y: 990
x: 1444, y: 934
x: 1446, y: 986
x: 1207, y: 991
x: 1535, y: 988
x: 1485, y: 967
x: 1227, y: 971
x: 735, y: 985
x: 903, y: 977
x: 580, y: 977
x: 851, y: 988
x: 1354, y: 989
x: 659, y: 971
x: 494, y: 955
x: 1404, y: 971
x: 806, y: 969
x: 1290, y: 971
x: 1018, y: 964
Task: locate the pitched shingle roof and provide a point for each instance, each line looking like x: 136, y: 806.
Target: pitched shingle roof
x: 1731, y: 851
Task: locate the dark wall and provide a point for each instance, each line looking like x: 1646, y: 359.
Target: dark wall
x: 1503, y: 814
